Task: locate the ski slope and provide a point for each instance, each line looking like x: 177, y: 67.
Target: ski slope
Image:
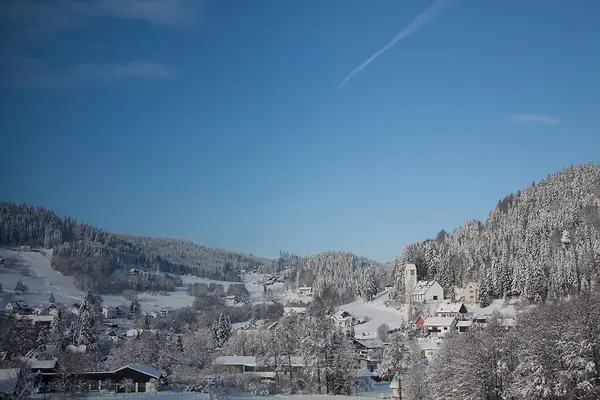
x: 42, y: 280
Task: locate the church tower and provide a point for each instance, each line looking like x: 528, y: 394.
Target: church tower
x: 410, y: 280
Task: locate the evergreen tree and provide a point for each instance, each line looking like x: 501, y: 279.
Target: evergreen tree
x: 134, y: 308
x: 179, y: 343
x: 369, y: 288
x: 20, y: 287
x: 221, y: 330
x: 86, y: 326
x: 51, y: 298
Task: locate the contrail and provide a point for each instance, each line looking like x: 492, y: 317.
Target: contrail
x: 416, y: 24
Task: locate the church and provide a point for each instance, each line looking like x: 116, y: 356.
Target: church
x: 420, y: 290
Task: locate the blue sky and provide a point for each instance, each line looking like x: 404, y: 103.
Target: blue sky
x: 227, y: 123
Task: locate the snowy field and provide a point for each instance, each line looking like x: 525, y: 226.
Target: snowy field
x: 42, y: 280
x: 378, y: 314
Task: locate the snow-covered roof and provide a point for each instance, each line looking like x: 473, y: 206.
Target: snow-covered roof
x: 144, y: 369
x: 40, y: 318
x: 8, y: 379
x: 508, y: 322
x: 40, y: 364
x: 362, y: 373
x: 305, y: 288
x: 462, y: 324
x: 250, y: 361
x: 372, y: 343
x: 230, y: 297
x: 439, y: 321
x: 450, y: 307
x: 422, y: 287
x: 395, y: 384
x: 299, y: 310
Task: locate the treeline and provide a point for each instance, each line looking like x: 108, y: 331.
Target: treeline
x: 541, y: 242
x: 96, y: 257
x: 552, y: 353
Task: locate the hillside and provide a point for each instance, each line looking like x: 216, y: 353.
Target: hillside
x: 542, y: 241
x: 99, y: 260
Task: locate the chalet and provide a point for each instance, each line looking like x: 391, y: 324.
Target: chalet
x: 457, y: 310
x: 464, y: 326
x: 471, y: 292
x: 111, y: 334
x: 249, y: 365
x: 439, y: 326
x: 230, y: 301
x: 481, y: 319
x: 366, y: 347
x: 110, y: 312
x: 154, y: 314
x: 165, y: 311
x: 419, y: 323
x: 18, y: 307
x: 343, y: 318
x: 305, y: 291
x: 142, y: 378
x: 426, y: 291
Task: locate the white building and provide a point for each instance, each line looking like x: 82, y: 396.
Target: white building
x: 439, y: 326
x: 304, y: 291
x: 230, y: 301
x: 420, y: 290
x: 429, y: 349
x: 471, y: 292
x: 427, y: 291
x: 343, y: 318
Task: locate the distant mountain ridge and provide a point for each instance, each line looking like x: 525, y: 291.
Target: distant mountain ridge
x: 543, y: 241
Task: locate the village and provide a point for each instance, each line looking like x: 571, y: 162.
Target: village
x: 428, y: 318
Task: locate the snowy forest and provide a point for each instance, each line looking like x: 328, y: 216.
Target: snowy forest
x: 93, y: 255
x: 541, y: 242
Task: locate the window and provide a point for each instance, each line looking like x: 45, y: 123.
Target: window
x: 435, y: 297
x: 412, y: 272
x: 445, y: 328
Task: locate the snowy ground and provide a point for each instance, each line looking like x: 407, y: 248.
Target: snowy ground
x: 378, y: 314
x: 42, y: 280
x: 203, y: 396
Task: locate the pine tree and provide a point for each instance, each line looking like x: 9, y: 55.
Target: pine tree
x: 51, y: 298
x: 86, y: 325
x: 369, y: 288
x: 20, y: 287
x: 221, y: 330
x: 179, y: 343
x: 134, y: 308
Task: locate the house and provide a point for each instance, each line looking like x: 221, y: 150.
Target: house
x: 154, y: 314
x: 343, y: 318
x: 112, y: 335
x: 305, y: 291
x: 165, y: 311
x: 426, y: 291
x: 471, y: 292
x: 40, y: 320
x: 230, y: 301
x: 464, y: 326
x: 141, y: 377
x: 110, y: 312
x: 419, y: 323
x: 366, y: 347
x: 18, y: 307
x: 8, y: 381
x: 457, y: 310
x: 439, y: 326
x: 429, y: 349
x: 481, y: 319
x: 248, y: 365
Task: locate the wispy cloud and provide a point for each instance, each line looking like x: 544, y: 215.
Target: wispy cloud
x: 30, y: 72
x: 416, y: 24
x: 28, y: 24
x: 533, y: 120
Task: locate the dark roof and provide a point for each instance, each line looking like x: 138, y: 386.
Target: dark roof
x: 144, y: 369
